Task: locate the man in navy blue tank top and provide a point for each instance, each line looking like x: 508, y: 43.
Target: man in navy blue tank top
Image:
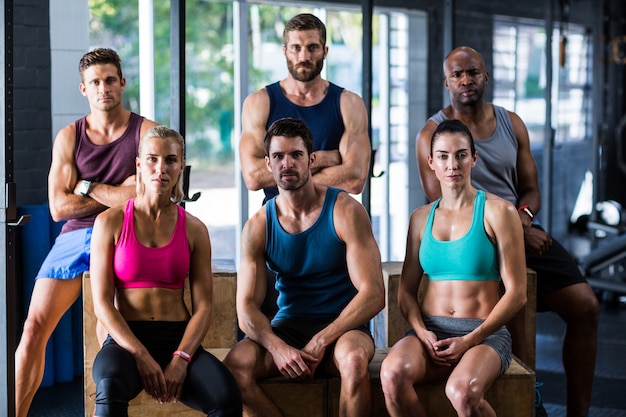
x: 509, y: 171
x: 93, y: 168
x: 319, y: 242
x: 336, y: 117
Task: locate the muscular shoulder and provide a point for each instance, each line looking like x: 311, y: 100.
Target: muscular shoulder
x: 147, y: 124
x: 350, y: 98
x: 254, y: 229
x: 349, y: 215
x: 256, y: 108
x: 347, y: 206
x: 419, y: 217
x: 519, y: 128
x: 426, y: 132
x: 195, y: 226
x: 258, y: 98
x: 66, y: 137
x: 499, y: 212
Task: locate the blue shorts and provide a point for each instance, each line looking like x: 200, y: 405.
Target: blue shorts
x: 69, y: 256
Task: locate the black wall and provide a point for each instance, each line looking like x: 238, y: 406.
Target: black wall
x: 33, y: 122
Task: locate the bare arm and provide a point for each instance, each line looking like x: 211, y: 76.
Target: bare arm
x: 201, y: 288
x: 349, y: 169
x: 528, y: 181
x: 503, y: 222
x: 364, y: 268
x: 251, y: 154
x: 429, y: 180
x: 63, y: 182
x: 412, y: 272
x: 251, y: 285
x: 65, y: 202
x: 251, y: 289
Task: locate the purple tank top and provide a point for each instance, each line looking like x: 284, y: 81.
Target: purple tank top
x: 108, y: 164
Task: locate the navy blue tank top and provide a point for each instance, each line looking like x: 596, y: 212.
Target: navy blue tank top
x: 311, y: 271
x: 323, y: 119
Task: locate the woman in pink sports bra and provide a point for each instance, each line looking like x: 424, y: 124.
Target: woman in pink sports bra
x: 467, y: 242
x: 142, y: 252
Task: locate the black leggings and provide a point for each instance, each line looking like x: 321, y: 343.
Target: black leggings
x: 209, y: 386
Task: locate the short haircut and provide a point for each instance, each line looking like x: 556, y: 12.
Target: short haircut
x: 452, y: 126
x: 164, y: 132
x: 290, y: 128
x: 100, y: 56
x: 305, y: 21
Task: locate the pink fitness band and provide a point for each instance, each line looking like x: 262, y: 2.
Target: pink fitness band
x: 186, y: 356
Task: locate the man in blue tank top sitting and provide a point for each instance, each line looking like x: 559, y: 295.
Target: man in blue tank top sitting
x: 319, y: 242
x: 506, y: 168
x: 336, y: 117
x: 92, y: 169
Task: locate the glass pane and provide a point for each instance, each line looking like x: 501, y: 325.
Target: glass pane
x: 519, y: 80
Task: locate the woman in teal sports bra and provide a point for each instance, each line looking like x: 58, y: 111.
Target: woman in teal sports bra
x: 466, y: 242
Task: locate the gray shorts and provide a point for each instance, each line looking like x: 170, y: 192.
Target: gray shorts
x: 69, y: 256
x: 445, y: 327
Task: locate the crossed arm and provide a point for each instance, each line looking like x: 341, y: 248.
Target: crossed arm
x: 346, y: 168
x: 63, y: 182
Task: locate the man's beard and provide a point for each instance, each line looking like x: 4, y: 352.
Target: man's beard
x: 308, y: 74
x: 295, y: 184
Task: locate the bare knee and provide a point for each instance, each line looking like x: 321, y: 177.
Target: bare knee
x: 34, y: 335
x: 241, y: 362
x: 395, y: 378
x: 353, y: 365
x: 578, y: 305
x: 464, y: 396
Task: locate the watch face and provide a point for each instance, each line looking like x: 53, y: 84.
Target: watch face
x: 84, y: 187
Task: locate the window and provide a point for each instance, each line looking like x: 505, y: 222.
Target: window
x: 519, y: 68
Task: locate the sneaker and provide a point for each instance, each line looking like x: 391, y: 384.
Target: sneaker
x: 540, y: 411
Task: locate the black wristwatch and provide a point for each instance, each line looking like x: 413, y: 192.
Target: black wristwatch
x: 84, y: 188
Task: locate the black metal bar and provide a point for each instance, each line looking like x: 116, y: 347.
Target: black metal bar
x: 367, y: 10
x: 8, y: 336
x: 177, y: 65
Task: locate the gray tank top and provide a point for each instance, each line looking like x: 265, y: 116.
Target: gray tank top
x: 496, y: 168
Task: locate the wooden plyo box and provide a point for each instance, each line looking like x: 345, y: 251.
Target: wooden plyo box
x: 511, y: 395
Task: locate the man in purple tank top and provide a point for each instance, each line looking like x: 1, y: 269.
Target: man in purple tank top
x: 560, y: 285
x: 93, y: 168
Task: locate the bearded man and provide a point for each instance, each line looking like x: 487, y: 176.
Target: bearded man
x: 336, y: 117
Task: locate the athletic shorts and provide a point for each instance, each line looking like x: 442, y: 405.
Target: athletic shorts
x: 556, y: 269
x: 69, y: 256
x: 446, y: 327
x: 297, y: 332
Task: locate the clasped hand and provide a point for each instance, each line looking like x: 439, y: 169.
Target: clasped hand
x: 446, y: 352
x: 164, y: 386
x: 295, y: 363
